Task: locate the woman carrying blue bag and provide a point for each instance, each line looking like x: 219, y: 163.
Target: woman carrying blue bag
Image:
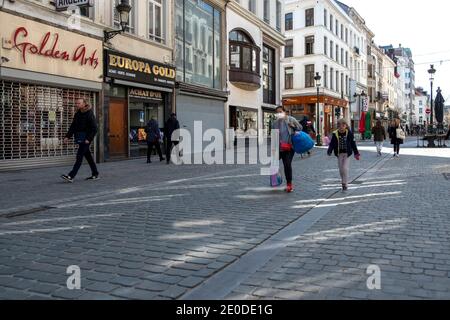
x: 287, y: 127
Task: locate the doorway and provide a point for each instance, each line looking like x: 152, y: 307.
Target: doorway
x: 118, y: 123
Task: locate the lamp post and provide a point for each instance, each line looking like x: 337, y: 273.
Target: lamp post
x: 431, y: 71
x: 124, y: 9
x: 317, y: 78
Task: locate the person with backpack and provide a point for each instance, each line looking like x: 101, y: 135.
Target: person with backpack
x: 379, y: 136
x: 84, y: 129
x: 397, y: 135
x: 153, y: 139
x: 287, y: 126
x: 343, y: 145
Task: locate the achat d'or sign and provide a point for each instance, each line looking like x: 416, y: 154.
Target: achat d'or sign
x: 140, y: 66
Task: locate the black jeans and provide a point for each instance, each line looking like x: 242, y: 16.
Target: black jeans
x: 150, y: 149
x: 397, y: 148
x: 287, y: 158
x: 84, y: 152
x: 169, y: 147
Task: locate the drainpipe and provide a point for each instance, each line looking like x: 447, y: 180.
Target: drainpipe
x: 225, y: 56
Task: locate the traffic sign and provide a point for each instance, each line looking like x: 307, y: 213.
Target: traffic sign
x: 428, y: 111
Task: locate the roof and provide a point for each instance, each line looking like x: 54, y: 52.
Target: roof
x: 344, y: 7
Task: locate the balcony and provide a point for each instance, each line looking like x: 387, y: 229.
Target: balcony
x: 245, y: 80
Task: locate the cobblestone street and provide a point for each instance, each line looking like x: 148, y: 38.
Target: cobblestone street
x: 190, y: 232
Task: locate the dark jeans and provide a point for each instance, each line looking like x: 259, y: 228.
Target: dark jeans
x: 83, y: 152
x: 170, y: 145
x: 397, y: 148
x: 150, y: 149
x: 287, y: 158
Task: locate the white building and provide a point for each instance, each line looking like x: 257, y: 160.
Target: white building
x: 254, y: 44
x: 321, y: 39
x: 421, y: 104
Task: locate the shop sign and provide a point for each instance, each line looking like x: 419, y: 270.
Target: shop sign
x: 48, y: 47
x: 145, y: 94
x: 63, y: 5
x: 127, y: 67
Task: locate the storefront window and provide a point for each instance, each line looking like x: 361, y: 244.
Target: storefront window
x: 244, y: 121
x: 196, y: 23
x: 141, y: 112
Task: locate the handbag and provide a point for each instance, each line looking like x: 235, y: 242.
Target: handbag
x: 276, y: 180
x: 400, y: 134
x: 302, y: 142
x: 80, y: 137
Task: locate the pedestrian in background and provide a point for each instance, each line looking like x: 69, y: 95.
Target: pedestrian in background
x: 379, y: 136
x: 287, y: 126
x: 172, y: 125
x: 397, y: 137
x: 84, y: 130
x: 307, y: 128
x: 343, y: 145
x: 153, y: 139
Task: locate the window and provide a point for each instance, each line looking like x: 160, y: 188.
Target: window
x: 309, y: 17
x: 252, y: 6
x: 420, y: 110
x: 196, y: 22
x: 309, y: 76
x: 289, y: 78
x: 130, y: 28
x: 325, y: 46
x: 342, y: 82
x: 346, y: 85
x: 325, y: 18
x: 289, y: 21
x: 331, y: 49
x: 337, y: 53
x: 267, y: 11
x: 342, y: 32
x: 337, y: 81
x: 337, y: 27
x: 331, y: 22
x: 420, y: 103
x: 244, y: 54
x: 155, y: 20
x: 331, y: 78
x: 346, y: 35
x: 268, y: 75
x: 325, y: 76
x: 278, y: 15
x: 342, y: 56
x: 87, y: 12
x: 309, y: 45
x: 346, y: 59
x: 289, y: 49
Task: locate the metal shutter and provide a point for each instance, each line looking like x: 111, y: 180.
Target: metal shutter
x: 33, y: 122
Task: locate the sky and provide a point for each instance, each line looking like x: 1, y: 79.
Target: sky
x: 422, y: 26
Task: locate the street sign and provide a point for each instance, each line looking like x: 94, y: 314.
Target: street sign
x: 63, y: 5
x: 428, y: 111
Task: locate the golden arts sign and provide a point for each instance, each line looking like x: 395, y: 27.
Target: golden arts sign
x: 126, y: 67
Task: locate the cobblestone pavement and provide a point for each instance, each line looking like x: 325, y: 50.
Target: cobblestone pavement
x: 157, y: 232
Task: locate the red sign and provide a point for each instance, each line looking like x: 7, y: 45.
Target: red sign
x: 51, y: 50
x: 428, y: 111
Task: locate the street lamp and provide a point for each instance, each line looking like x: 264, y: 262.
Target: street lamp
x: 431, y: 71
x: 317, y: 78
x: 124, y: 9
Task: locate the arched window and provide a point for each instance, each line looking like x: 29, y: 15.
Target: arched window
x: 244, y: 54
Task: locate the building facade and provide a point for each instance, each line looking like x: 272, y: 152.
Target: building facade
x: 421, y: 105
x: 45, y: 67
x: 254, y: 46
x: 320, y: 40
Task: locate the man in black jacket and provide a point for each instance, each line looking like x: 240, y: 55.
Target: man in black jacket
x: 171, y: 126
x: 84, y: 128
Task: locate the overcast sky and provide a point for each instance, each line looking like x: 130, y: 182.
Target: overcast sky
x: 423, y: 26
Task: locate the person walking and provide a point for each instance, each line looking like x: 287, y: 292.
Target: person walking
x: 172, y: 125
x: 379, y: 136
x: 84, y: 130
x: 153, y: 139
x: 287, y: 126
x: 397, y: 137
x: 343, y: 145
x: 307, y: 128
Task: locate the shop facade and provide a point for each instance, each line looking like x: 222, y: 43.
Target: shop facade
x: 331, y: 110
x: 44, y: 70
x: 136, y: 90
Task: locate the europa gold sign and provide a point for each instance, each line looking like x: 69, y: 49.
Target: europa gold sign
x: 126, y: 67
